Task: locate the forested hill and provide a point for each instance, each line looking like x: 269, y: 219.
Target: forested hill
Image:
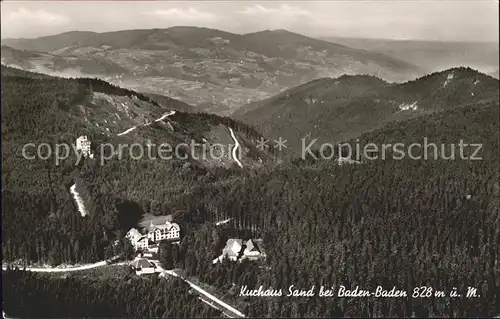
x: 338, y: 109
x: 36, y: 201
x: 405, y: 223
x: 401, y: 223
x: 80, y: 297
x: 442, y: 132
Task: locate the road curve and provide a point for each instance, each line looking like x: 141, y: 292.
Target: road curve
x: 236, y: 146
x: 161, y: 118
x: 78, y: 268
x: 164, y: 116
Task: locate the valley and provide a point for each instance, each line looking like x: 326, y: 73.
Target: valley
x: 215, y: 71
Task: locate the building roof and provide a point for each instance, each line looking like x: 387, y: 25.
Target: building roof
x: 134, y: 235
x: 133, y: 232
x: 160, y: 220
x: 233, y: 250
x: 230, y: 242
x: 142, y: 263
x: 168, y: 225
x: 251, y: 246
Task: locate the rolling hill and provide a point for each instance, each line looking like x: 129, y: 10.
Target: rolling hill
x: 334, y: 110
x: 384, y: 223
x: 431, y: 56
x: 50, y: 111
x: 213, y: 70
x: 93, y: 107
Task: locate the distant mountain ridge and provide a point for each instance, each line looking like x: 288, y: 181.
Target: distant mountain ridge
x: 334, y: 110
x: 277, y: 43
x: 213, y: 70
x: 264, y: 42
x: 431, y: 56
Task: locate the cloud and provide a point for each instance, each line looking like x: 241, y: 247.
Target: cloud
x: 39, y: 18
x: 190, y: 14
x: 283, y: 10
x: 285, y: 16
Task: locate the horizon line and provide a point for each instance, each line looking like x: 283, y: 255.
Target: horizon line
x: 318, y: 37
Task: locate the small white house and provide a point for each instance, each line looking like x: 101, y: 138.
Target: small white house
x: 83, y: 145
x: 232, y: 251
x: 138, y: 240
x: 251, y: 251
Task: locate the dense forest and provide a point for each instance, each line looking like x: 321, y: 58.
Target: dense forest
x: 336, y: 109
x: 30, y: 295
x: 40, y: 219
x: 404, y: 223
x: 392, y: 224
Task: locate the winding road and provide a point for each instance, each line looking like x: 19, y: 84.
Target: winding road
x: 78, y: 268
x: 127, y: 131
x: 161, y: 118
x: 164, y: 116
x: 212, y: 301
x: 235, y: 148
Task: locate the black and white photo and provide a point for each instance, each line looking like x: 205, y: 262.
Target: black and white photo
x: 250, y: 159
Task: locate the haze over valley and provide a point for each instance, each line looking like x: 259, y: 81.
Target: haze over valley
x: 215, y: 71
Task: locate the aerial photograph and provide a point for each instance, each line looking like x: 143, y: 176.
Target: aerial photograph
x: 250, y: 159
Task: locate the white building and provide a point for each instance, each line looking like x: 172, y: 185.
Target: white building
x: 232, y: 251
x: 155, y: 234
x: 83, y: 145
x: 170, y: 231
x: 138, y: 240
x: 251, y: 250
x: 143, y: 267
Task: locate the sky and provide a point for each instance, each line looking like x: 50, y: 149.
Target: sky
x: 441, y: 20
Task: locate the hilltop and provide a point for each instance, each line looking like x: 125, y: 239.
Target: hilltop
x: 334, y: 110
x: 94, y: 107
x: 346, y: 220
x: 431, y: 56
